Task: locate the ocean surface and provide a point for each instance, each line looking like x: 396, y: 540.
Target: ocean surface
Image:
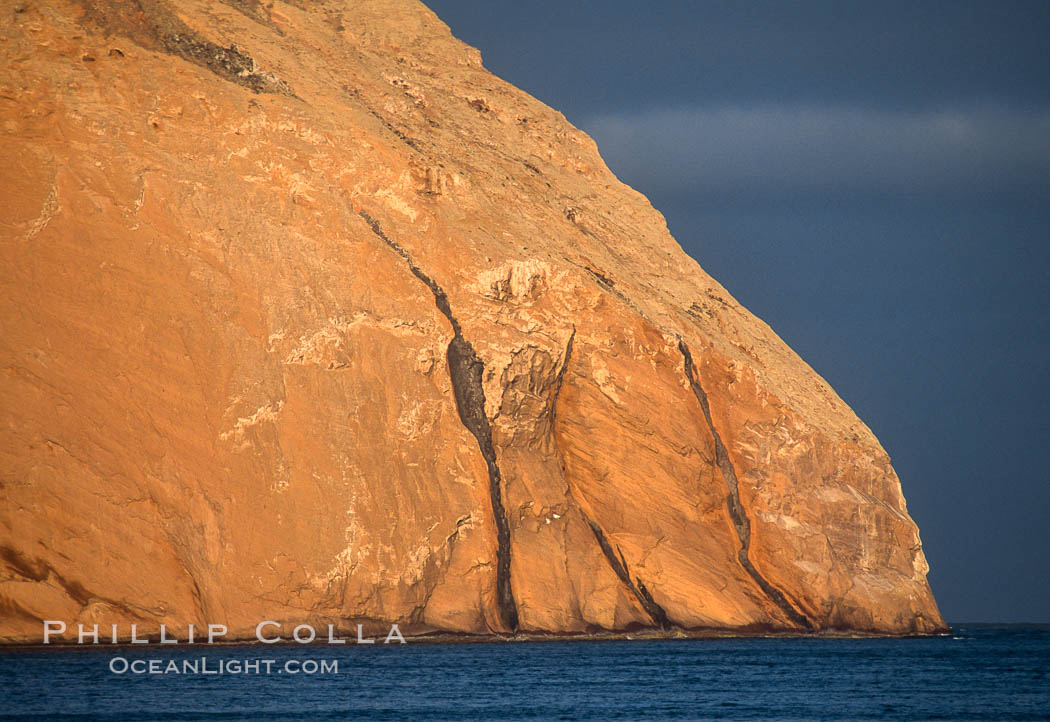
x: 978, y: 673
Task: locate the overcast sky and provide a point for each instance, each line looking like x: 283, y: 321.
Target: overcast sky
x: 873, y: 180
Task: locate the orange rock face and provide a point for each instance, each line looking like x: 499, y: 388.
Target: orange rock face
x: 308, y: 317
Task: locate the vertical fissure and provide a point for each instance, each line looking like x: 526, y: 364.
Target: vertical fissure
x: 614, y: 557
x: 736, y: 510
x: 466, y: 371
x: 618, y: 564
x: 556, y: 390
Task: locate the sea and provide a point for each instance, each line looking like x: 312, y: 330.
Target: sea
x: 979, y: 672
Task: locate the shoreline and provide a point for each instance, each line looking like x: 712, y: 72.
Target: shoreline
x: 432, y: 638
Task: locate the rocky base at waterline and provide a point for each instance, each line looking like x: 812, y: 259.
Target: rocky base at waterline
x: 307, y: 316
x: 394, y: 634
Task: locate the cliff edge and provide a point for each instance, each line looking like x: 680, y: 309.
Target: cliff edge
x: 308, y: 317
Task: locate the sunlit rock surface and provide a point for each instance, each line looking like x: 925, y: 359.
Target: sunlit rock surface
x: 308, y: 317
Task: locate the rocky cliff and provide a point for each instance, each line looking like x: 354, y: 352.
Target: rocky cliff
x: 308, y: 317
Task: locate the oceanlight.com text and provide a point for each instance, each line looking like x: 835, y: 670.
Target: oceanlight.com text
x: 212, y: 666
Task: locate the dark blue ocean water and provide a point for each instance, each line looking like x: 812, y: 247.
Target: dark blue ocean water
x: 978, y: 673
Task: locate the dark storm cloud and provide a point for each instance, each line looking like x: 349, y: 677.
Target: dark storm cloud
x: 587, y: 57
x: 818, y: 147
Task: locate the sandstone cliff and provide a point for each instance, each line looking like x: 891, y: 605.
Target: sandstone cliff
x: 308, y: 317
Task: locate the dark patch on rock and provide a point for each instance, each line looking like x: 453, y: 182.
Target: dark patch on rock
x: 255, y: 10
x: 153, y: 25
